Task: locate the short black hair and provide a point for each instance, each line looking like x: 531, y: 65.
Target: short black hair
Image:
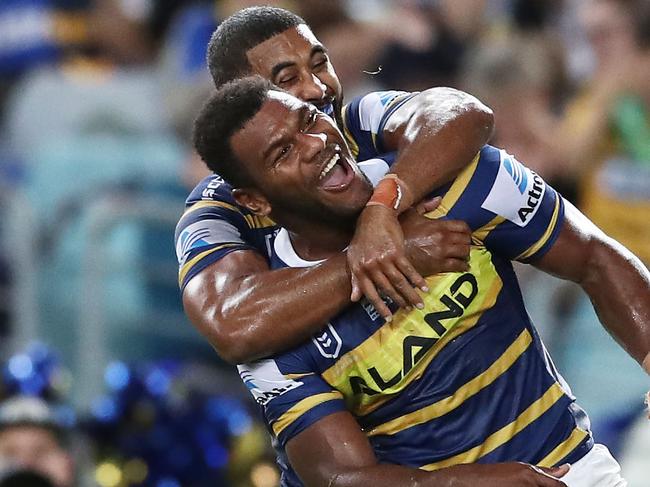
x: 225, y: 113
x: 240, y: 32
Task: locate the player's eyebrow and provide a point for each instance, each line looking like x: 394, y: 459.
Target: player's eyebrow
x: 279, y: 67
x: 318, y: 48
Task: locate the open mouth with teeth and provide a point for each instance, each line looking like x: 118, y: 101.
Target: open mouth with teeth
x: 336, y: 174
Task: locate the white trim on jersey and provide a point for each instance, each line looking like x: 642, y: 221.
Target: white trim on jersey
x: 285, y: 251
x: 374, y: 169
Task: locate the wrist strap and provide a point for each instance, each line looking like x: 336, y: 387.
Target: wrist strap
x: 392, y: 193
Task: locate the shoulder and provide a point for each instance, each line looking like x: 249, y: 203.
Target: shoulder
x: 211, y: 188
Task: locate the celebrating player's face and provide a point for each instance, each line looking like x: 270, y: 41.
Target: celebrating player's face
x: 300, y: 161
x: 297, y: 62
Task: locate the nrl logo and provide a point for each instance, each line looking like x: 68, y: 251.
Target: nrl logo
x: 328, y: 342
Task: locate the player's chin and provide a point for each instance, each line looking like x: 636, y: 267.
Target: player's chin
x: 351, y: 201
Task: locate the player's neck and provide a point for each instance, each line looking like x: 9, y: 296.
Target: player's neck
x: 317, y: 242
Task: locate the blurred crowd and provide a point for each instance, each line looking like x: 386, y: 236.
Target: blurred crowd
x: 97, y: 99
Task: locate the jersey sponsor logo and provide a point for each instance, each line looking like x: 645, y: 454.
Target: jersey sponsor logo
x: 211, y: 188
x: 264, y: 381
x: 534, y: 197
x: 517, y: 173
x: 414, y: 348
x: 516, y: 193
x: 370, y: 309
x: 328, y: 343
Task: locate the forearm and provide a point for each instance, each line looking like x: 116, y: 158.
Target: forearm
x: 618, y: 284
x: 469, y: 475
x: 390, y: 475
x: 444, y: 133
x: 266, y: 312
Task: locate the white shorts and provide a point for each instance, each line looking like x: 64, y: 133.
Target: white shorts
x: 596, y: 469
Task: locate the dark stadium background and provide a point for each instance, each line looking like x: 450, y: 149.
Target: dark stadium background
x: 96, y: 103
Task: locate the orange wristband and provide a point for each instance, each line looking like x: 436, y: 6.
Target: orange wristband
x: 391, y: 192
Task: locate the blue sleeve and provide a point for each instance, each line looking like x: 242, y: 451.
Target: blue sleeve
x: 292, y: 398
x: 212, y: 226
x: 364, y: 119
x: 510, y: 209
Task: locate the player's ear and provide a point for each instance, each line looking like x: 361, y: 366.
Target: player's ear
x: 253, y: 200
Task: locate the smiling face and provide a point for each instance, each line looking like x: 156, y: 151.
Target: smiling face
x: 297, y: 62
x: 301, y: 164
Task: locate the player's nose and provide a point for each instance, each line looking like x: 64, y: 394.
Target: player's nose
x: 313, y: 144
x: 312, y: 90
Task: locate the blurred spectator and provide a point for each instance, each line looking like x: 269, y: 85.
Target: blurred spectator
x: 431, y: 50
x: 96, y: 129
x: 604, y: 141
x: 34, y: 33
x: 605, y: 136
x: 31, y: 441
x: 518, y: 69
x: 514, y: 79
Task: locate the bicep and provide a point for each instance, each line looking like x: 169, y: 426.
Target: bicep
x: 576, y: 245
x: 209, y: 292
x: 441, y: 106
x: 333, y: 445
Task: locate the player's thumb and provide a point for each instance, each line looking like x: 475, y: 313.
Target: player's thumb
x: 557, y: 472
x: 425, y: 206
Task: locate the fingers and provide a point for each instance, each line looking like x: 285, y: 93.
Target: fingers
x: 425, y: 206
x: 411, y: 274
x: 394, y: 281
x: 458, y: 226
x: 391, y: 282
x: 368, y: 288
x: 557, y: 472
x: 356, y: 291
x: 545, y: 477
x: 402, y: 276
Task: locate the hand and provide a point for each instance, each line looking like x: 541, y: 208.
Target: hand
x: 509, y: 475
x: 378, y: 262
x: 435, y: 246
x: 431, y: 246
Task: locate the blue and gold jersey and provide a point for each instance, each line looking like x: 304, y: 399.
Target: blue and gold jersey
x: 466, y: 379
x: 214, y: 225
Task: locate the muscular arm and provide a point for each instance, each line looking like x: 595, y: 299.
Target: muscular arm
x: 617, y: 283
x: 247, y: 311
x: 436, y: 133
x: 334, y: 452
